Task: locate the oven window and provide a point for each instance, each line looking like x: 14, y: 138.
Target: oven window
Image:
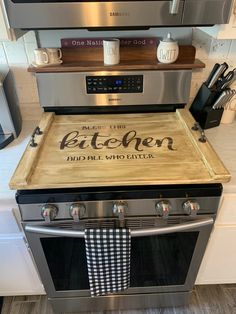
x: 66, y: 260
x: 162, y: 260
x: 155, y: 261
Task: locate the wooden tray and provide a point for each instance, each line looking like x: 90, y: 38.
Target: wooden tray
x: 120, y: 149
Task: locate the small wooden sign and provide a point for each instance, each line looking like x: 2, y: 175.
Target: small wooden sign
x: 98, y: 42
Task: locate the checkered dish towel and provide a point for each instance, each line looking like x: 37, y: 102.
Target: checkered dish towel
x: 108, y: 260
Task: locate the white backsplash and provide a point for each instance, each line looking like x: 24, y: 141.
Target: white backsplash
x: 19, y: 55
x: 210, y: 51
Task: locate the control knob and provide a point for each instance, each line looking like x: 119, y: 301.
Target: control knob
x: 163, y: 208
x: 119, y: 208
x: 49, y: 212
x: 191, y: 207
x: 77, y: 210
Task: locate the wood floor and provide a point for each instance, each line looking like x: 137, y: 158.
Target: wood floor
x: 213, y: 299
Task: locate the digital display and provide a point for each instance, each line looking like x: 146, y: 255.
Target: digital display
x: 114, y: 84
x: 118, y: 82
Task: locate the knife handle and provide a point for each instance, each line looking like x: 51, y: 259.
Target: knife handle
x: 220, y: 70
x: 230, y: 82
x: 216, y: 66
x: 219, y: 99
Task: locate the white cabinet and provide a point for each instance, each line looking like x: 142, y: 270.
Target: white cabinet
x: 17, y: 272
x: 7, y: 33
x: 218, y: 265
x: 18, y: 275
x: 224, y: 31
x: 227, y: 211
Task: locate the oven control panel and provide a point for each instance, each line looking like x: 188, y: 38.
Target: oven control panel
x: 114, y: 84
x: 121, y: 209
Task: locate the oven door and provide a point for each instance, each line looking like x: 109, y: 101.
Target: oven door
x: 165, y: 258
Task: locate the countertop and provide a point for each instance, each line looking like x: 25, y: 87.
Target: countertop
x: 221, y: 138
x: 9, y: 158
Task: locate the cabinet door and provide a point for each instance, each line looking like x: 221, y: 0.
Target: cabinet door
x: 6, y: 33
x: 17, y: 273
x: 228, y: 31
x: 218, y: 265
x: 227, y: 211
x: 224, y: 31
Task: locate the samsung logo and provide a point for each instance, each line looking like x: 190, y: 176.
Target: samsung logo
x: 119, y: 14
x: 114, y: 99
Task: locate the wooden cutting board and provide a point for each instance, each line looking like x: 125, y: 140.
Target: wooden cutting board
x: 118, y: 149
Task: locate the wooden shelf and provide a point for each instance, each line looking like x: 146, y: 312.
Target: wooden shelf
x: 82, y: 60
x: 125, y: 65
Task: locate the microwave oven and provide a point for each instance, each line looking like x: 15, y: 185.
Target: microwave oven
x: 52, y: 14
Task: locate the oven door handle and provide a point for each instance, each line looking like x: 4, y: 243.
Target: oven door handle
x: 134, y: 233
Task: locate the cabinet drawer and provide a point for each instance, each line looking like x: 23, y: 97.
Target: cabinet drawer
x: 227, y: 211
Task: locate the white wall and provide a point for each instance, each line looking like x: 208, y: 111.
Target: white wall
x: 52, y: 37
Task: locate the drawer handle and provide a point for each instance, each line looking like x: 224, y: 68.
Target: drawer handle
x: 37, y: 131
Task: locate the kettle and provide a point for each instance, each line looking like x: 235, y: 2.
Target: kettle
x: 167, y: 50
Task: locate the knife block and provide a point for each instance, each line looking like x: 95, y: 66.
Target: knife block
x: 201, y: 108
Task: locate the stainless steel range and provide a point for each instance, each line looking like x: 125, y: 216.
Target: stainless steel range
x: 170, y: 227
x: 146, y: 167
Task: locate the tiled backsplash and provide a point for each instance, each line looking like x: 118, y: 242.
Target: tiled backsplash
x: 210, y: 51
x: 18, y: 55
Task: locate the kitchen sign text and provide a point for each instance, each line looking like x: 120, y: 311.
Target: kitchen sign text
x: 98, y: 141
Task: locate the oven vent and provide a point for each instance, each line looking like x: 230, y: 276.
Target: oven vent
x: 175, y: 221
x: 131, y: 223
x: 63, y: 225
x: 141, y: 223
x: 107, y: 224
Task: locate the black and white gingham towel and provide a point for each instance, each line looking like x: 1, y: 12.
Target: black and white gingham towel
x: 108, y: 260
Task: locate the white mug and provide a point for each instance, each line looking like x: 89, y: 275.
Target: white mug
x: 111, y: 51
x: 54, y: 55
x: 41, y: 56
